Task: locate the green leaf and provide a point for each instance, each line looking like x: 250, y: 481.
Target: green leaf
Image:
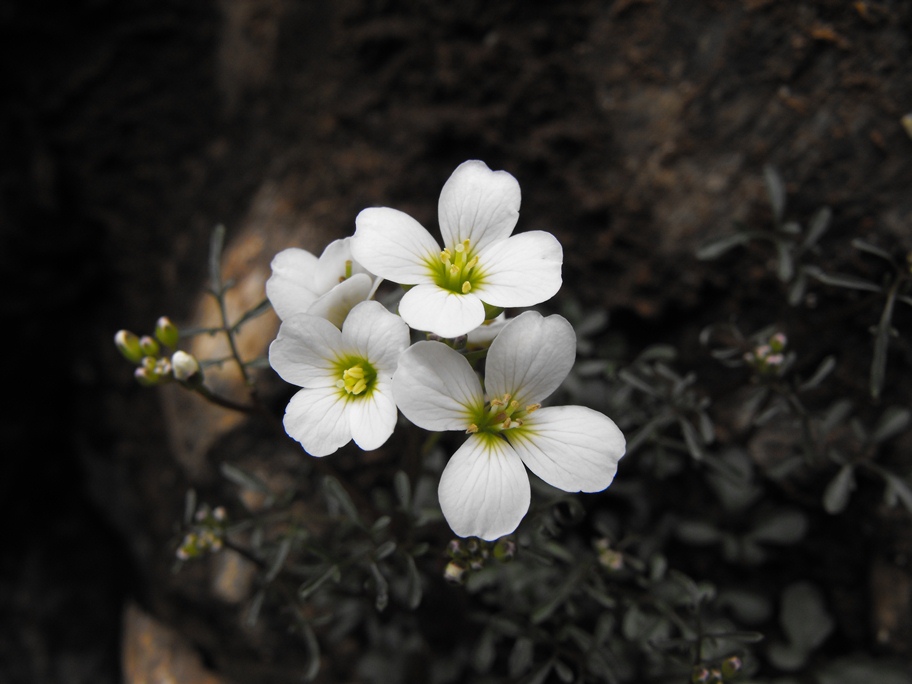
x: 839, y: 490
x: 278, y: 560
x: 819, y: 225
x: 313, y: 652
x: 403, y: 489
x: 783, y: 526
x: 692, y: 440
x: 716, y: 247
x: 804, y: 616
x: 413, y: 587
x: 307, y: 589
x: 776, y: 190
x: 893, y: 422
x: 381, y: 587
x: 385, y: 549
x: 865, y: 246
x: 843, y: 280
x: 540, y: 675
x: 245, y: 480
x: 697, y: 532
x: 520, y: 657
x: 881, y: 341
x: 336, y: 492
x: 823, y: 371
x: 786, y: 266
x: 897, y: 489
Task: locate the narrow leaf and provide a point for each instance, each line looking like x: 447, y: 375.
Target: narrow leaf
x: 823, y: 370
x: 776, y: 190
x: 819, y: 225
x: 843, y: 280
x: 337, y: 493
x: 715, y: 248
x: 307, y: 589
x: 381, y: 586
x: 413, y: 591
x: 893, y: 421
x: 839, y: 490
x: 865, y: 246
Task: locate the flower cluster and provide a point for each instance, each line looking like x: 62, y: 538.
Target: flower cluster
x: 770, y: 356
x: 155, y: 357
x: 357, y: 368
x: 208, y: 533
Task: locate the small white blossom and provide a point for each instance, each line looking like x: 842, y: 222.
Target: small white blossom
x: 327, y: 287
x: 346, y: 377
x: 481, y: 263
x: 484, y: 489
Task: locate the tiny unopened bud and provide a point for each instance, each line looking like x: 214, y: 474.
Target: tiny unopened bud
x: 699, y: 675
x: 731, y: 666
x: 166, y: 332
x: 149, y: 345
x: 454, y: 548
x: 146, y: 377
x: 611, y: 559
x: 128, y: 344
x: 504, y: 550
x: 778, y: 341
x: 454, y: 572
x: 185, y: 367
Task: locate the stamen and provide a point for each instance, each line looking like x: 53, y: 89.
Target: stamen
x: 466, y: 287
x: 472, y: 429
x: 532, y: 407
x: 353, y: 380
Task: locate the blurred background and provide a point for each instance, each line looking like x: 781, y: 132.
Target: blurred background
x: 637, y: 129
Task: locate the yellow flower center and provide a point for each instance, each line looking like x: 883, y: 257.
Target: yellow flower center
x: 501, y: 414
x: 357, y: 377
x: 457, y: 270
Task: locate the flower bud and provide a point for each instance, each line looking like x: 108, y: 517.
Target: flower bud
x: 166, y: 332
x: 127, y: 343
x: 731, y: 666
x: 186, y: 368
x: 146, y: 377
x: 149, y: 346
x: 504, y: 550
x: 454, y: 572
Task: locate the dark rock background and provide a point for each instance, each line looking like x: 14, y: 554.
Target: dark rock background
x: 636, y: 129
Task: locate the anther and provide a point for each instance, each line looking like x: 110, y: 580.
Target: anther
x: 472, y: 429
x: 466, y: 287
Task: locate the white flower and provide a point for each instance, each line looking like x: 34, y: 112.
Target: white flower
x: 345, y: 375
x: 484, y: 489
x: 480, y: 263
x: 327, y: 287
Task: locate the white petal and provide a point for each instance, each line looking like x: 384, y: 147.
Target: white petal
x: 484, y: 489
x: 484, y: 334
x: 305, y: 351
x: 372, y: 418
x: 317, y: 419
x: 436, y: 388
x: 393, y: 245
x: 431, y: 308
x: 335, y: 265
x: 570, y: 447
x: 336, y: 304
x: 377, y: 335
x: 530, y: 358
x: 522, y: 270
x: 290, y: 288
x: 478, y: 205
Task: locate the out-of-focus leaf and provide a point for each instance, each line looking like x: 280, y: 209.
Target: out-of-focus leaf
x: 893, y: 421
x: 692, y: 440
x: 865, y: 246
x: 385, y: 549
x: 313, y: 652
x: 787, y: 657
x: 881, y: 341
x: 776, y: 190
x: 835, y: 415
x: 563, y: 671
x: 336, y: 492
x: 897, y: 490
x: 635, y: 381
x: 697, y: 532
x: 414, y: 589
x: 278, y: 560
x: 403, y: 489
x: 843, y: 280
x: 716, y: 247
x: 244, y: 479
x: 797, y: 288
x: 381, y: 587
x: 785, y: 264
x: 839, y: 490
x: 783, y: 526
x: 804, y: 616
x: 541, y: 674
x: 520, y: 657
x: 485, y: 652
x: 823, y: 371
x: 819, y: 225
x: 307, y: 589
